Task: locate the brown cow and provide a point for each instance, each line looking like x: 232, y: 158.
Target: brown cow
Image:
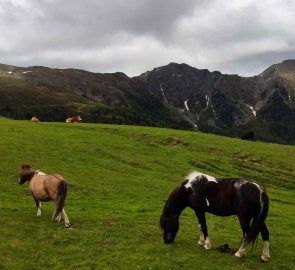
x: 75, y: 119
x: 35, y: 119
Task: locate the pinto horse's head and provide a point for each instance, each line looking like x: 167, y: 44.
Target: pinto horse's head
x: 170, y: 226
x: 26, y: 173
x: 169, y: 220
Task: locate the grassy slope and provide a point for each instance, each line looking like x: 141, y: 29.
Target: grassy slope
x: 119, y: 178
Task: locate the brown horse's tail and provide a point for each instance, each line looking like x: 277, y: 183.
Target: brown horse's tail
x: 61, y: 196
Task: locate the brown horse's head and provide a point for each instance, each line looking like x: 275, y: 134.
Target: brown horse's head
x: 26, y: 173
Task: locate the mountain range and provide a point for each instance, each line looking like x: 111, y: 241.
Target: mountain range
x: 174, y: 96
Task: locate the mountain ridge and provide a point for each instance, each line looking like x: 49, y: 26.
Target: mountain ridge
x: 174, y: 96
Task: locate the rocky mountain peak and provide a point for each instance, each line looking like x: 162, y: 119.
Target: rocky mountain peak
x: 175, y: 96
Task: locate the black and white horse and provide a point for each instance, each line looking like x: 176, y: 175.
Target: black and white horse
x: 221, y: 197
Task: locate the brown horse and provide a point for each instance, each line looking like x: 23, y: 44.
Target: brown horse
x: 46, y: 188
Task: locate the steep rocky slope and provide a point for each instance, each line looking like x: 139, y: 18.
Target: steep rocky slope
x: 176, y: 95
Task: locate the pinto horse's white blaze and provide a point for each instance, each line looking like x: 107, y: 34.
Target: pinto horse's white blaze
x: 207, y: 202
x: 265, y: 253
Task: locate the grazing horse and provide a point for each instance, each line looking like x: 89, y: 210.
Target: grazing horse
x: 249, y: 136
x: 35, y: 119
x: 46, y: 188
x: 75, y: 119
x: 221, y: 197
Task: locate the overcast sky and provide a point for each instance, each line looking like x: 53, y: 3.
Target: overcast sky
x: 132, y: 36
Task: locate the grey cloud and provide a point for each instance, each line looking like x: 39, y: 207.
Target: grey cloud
x: 257, y: 63
x: 132, y: 36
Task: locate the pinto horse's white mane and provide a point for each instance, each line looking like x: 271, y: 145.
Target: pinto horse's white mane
x: 195, y: 176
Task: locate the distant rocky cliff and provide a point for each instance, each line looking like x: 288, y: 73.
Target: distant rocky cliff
x: 175, y: 96
x: 230, y: 104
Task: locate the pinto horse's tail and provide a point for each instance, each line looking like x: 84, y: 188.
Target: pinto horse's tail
x: 259, y: 220
x: 61, y: 196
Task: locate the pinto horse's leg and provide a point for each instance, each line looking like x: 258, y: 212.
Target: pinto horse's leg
x: 201, y: 241
x: 245, y: 225
x: 67, y: 221
x: 242, y: 250
x: 204, y: 231
x: 265, y: 236
x: 39, y: 208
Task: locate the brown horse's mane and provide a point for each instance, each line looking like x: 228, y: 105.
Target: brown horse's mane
x: 24, y: 173
x: 27, y: 170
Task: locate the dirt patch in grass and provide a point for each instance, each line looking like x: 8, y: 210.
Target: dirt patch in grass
x: 105, y: 245
x: 174, y: 142
x: 110, y: 223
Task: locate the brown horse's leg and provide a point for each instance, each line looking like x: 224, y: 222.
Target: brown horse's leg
x: 60, y: 199
x: 56, y: 216
x: 67, y: 221
x: 39, y: 208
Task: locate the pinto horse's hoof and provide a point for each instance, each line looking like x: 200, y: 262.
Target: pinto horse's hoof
x: 201, y: 242
x: 67, y: 225
x: 240, y: 254
x: 207, y: 244
x: 264, y: 259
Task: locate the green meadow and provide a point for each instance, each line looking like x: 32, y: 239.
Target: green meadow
x: 118, y: 180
